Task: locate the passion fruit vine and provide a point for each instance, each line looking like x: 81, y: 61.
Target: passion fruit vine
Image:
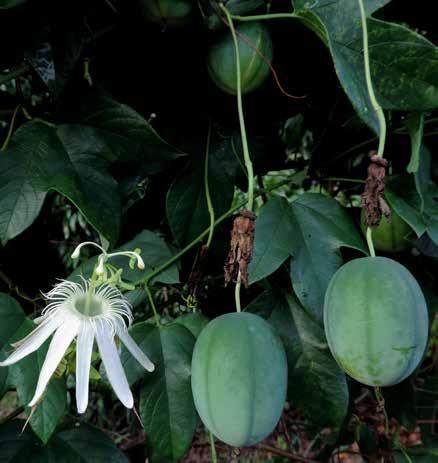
x: 376, y: 320
x: 239, y: 378
x: 255, y: 50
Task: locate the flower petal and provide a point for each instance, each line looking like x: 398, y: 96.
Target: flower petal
x: 136, y: 352
x: 84, y: 349
x: 33, y: 340
x: 58, y: 346
x: 113, y: 366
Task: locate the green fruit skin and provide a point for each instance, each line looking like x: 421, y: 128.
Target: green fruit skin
x: 390, y: 235
x: 221, y: 59
x: 376, y: 320
x: 239, y: 378
x: 168, y: 12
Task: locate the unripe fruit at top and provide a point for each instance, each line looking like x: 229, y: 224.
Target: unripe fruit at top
x: 391, y: 235
x: 168, y: 12
x: 376, y: 320
x: 255, y: 50
x: 239, y: 378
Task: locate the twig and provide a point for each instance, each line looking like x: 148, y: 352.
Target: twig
x: 288, y: 455
x: 16, y: 72
x: 12, y: 415
x: 13, y: 287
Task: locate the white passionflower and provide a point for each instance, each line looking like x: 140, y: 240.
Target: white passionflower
x: 78, y: 310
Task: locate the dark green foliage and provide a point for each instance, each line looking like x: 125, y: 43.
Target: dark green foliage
x: 105, y: 112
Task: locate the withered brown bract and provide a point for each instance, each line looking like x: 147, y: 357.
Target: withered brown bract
x: 241, y: 246
x: 373, y: 201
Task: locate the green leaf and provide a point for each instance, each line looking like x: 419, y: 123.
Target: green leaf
x: 426, y: 453
x: 316, y: 385
x: 36, y: 162
x: 414, y: 198
x: 415, y: 123
x: 83, y: 444
x: 127, y: 133
x: 404, y: 64
x: 24, y: 376
x: 237, y: 7
x: 311, y: 230
x: 186, y: 203
x: 194, y: 322
x: 24, y: 178
x: 144, y: 334
x: 11, y: 319
x: 6, y: 4
x: 90, y: 157
x: 166, y: 403
x: 14, y: 442
x: 89, y: 445
x: 154, y: 252
x: 402, y: 196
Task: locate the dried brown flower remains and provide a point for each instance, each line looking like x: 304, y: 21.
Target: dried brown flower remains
x: 373, y: 201
x: 241, y: 246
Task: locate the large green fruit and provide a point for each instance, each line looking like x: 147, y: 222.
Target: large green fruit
x: 239, y: 378
x: 390, y: 235
x: 376, y: 320
x: 255, y: 47
x: 168, y: 12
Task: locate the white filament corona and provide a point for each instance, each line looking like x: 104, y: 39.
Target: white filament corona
x: 78, y: 310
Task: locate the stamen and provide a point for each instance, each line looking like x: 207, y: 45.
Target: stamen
x: 135, y: 255
x: 77, y: 251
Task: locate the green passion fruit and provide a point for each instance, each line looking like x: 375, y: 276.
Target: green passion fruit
x: 255, y: 50
x: 239, y: 378
x: 391, y: 234
x: 376, y: 320
x: 168, y: 12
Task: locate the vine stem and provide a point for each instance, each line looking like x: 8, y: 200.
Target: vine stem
x: 341, y: 179
x: 375, y: 104
x: 405, y: 454
x: 10, y: 130
x: 212, y: 447
x: 246, y: 156
x: 152, y: 303
x: 207, y: 190
x: 381, y: 402
x: 12, y: 415
x: 262, y: 17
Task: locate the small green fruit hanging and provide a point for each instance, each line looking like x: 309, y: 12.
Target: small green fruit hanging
x: 255, y: 49
x: 376, y: 320
x: 239, y: 378
x: 168, y: 12
x: 390, y: 235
